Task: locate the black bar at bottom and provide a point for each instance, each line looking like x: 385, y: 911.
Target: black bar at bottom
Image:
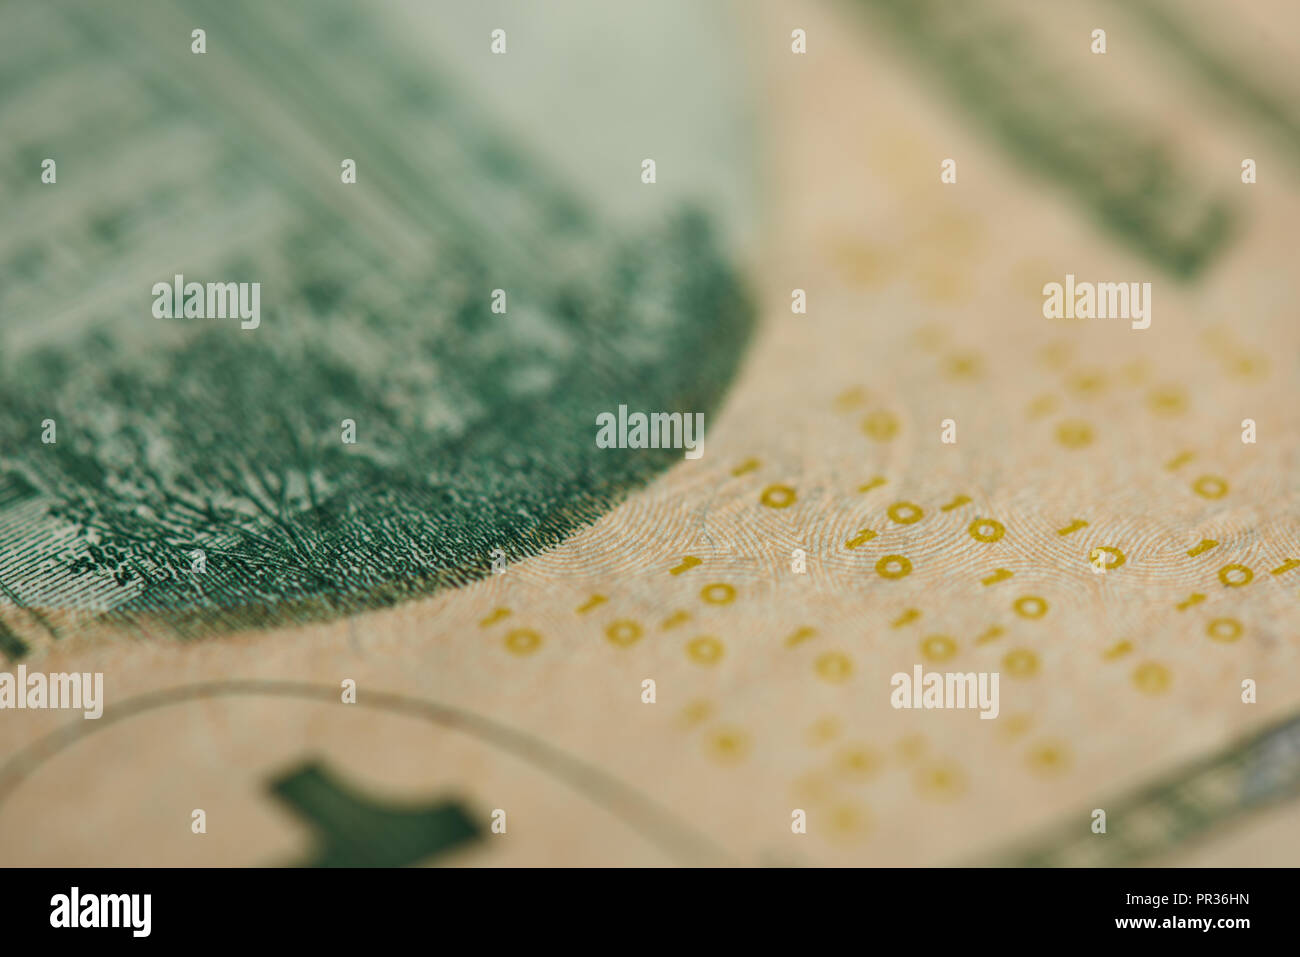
x: 330, y: 907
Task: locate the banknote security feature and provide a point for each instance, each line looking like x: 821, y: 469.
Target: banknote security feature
x: 214, y: 300
x: 1101, y: 300
x: 654, y: 430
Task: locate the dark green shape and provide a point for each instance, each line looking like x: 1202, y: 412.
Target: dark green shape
x: 11, y: 646
x: 1125, y: 177
x: 355, y: 831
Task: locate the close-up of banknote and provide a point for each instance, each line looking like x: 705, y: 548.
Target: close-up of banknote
x: 724, y: 433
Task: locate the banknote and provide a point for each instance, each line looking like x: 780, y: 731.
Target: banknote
x: 373, y: 570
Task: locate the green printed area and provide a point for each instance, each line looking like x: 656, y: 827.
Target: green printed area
x: 353, y: 831
x: 1122, y: 175
x: 11, y: 646
x: 1192, y: 43
x: 475, y: 431
x: 1189, y: 803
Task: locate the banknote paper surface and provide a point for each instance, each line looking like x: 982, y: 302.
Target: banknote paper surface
x: 497, y: 588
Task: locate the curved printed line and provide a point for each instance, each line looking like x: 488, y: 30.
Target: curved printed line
x: 657, y: 825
